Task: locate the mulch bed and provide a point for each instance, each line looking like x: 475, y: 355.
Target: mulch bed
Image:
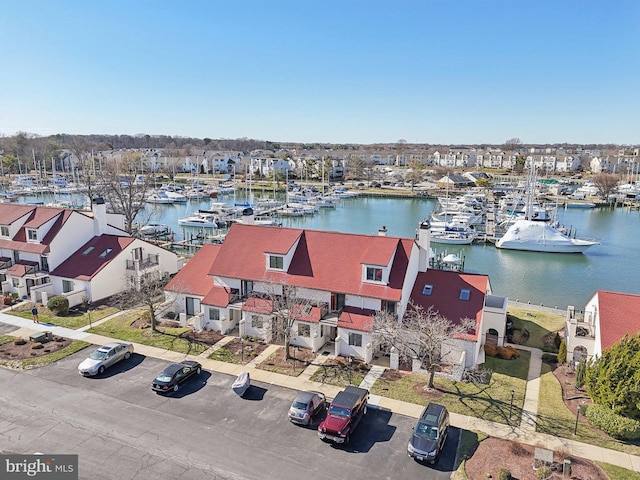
x: 11, y: 351
x: 205, y: 337
x: 277, y: 362
x: 252, y: 348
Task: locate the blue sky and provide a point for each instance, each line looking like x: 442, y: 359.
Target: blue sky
x: 431, y: 71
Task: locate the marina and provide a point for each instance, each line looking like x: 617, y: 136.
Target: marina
x: 549, y: 279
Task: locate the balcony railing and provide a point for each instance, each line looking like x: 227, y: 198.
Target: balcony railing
x: 147, y: 262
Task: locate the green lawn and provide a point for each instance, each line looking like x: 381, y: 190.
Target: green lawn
x: 487, y: 401
x: 167, y: 338
x: 618, y: 473
x: 540, y: 324
x: 224, y: 355
x: 556, y: 419
x: 73, y: 320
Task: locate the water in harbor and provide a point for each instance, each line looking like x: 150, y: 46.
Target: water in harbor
x: 550, y: 279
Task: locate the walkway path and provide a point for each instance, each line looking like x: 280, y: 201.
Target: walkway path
x: 524, y: 433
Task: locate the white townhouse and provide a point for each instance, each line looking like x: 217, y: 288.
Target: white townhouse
x: 86, y: 256
x: 341, y: 279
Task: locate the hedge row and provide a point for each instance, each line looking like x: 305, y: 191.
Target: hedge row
x: 617, y: 426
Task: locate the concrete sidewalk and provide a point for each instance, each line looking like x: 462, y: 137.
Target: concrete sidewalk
x: 523, y: 432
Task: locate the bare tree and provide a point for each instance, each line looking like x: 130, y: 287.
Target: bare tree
x: 145, y: 290
x: 416, y: 173
x: 605, y: 183
x: 422, y: 334
x: 355, y: 168
x: 125, y: 189
x: 287, y: 306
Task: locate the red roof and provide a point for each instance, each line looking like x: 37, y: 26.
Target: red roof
x: 328, y: 261
x: 314, y: 315
x: 37, y: 217
x: 619, y: 316
x: 446, y: 287
x: 192, y: 278
x: 217, y: 297
x: 22, y: 268
x: 356, y: 319
x: 258, y: 305
x: 86, y: 262
x: 9, y: 213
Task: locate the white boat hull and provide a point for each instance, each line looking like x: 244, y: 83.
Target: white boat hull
x: 532, y: 236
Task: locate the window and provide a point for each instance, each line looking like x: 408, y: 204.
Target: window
x: 4, y: 230
x: 427, y: 289
x: 337, y: 301
x: 32, y: 234
x: 105, y: 253
x: 247, y: 287
x: 214, y: 314
x: 389, y: 307
x: 88, y: 251
x: 355, y: 339
x: 465, y: 293
x: 374, y: 274
x: 276, y: 262
x: 16, y: 282
x: 304, y: 330
x: 67, y: 286
x: 256, y: 321
x: 137, y: 253
x: 44, y: 262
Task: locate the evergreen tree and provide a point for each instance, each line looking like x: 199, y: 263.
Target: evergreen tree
x: 562, y: 352
x: 581, y: 372
x: 613, y: 379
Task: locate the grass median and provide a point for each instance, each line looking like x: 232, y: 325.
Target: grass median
x: 491, y: 401
x: 167, y: 338
x: 74, y: 319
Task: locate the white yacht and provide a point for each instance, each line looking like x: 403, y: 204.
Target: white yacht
x: 201, y: 220
x: 538, y: 233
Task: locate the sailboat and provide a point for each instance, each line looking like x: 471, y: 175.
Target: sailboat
x: 537, y: 233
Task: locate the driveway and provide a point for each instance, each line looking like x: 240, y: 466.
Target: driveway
x: 122, y: 430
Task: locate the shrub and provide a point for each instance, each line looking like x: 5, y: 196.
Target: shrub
x: 504, y: 474
x: 19, y: 341
x: 543, y: 472
x: 557, y: 340
x: 550, y: 358
x: 7, y: 300
x: 59, y: 305
x: 490, y: 350
x: 617, y: 426
x: 562, y: 352
x: 36, y: 346
x: 507, y: 352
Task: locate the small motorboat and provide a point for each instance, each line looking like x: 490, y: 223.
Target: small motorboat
x: 242, y: 384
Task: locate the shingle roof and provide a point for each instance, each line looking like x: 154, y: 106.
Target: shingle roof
x: 619, y: 316
x: 192, y: 278
x: 84, y: 264
x: 445, y: 294
x: 356, y: 319
x: 327, y: 261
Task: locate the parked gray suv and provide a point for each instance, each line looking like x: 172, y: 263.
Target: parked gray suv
x: 429, y: 434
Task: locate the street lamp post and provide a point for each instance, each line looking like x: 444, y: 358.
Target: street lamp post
x: 575, y: 428
x: 511, y: 405
x: 350, y: 362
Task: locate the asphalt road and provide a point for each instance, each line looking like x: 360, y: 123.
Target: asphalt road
x: 122, y: 430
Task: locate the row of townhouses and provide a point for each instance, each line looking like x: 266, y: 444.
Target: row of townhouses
x: 336, y: 163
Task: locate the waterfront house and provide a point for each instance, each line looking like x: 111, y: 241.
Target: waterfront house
x: 340, y: 282
x: 83, y: 255
x: 608, y: 317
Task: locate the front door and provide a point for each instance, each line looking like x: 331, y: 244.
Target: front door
x: 192, y: 306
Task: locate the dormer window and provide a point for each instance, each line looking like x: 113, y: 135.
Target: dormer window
x: 32, y: 234
x: 427, y: 289
x: 465, y: 293
x: 374, y: 274
x: 4, y: 231
x: 276, y: 262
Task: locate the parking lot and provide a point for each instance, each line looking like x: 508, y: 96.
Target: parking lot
x: 121, y: 429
